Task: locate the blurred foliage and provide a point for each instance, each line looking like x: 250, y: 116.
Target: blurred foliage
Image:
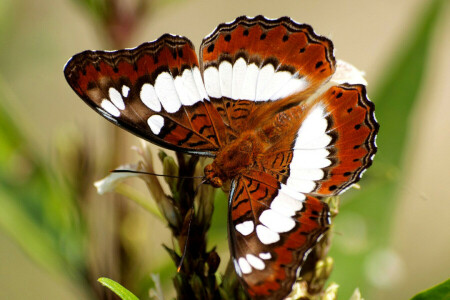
x: 375, y: 203
x: 38, y: 210
x: 440, y: 291
x: 42, y: 206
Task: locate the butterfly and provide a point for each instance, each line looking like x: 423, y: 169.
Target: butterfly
x: 260, y: 103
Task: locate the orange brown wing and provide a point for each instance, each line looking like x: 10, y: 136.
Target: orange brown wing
x: 271, y: 231
x: 331, y: 146
x: 155, y: 91
x: 313, y: 150
x: 256, y: 60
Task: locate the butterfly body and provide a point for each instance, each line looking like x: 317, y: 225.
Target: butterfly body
x: 251, y: 103
x: 234, y: 158
x: 254, y: 147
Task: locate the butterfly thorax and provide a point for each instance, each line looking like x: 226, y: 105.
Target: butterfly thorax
x: 234, y: 158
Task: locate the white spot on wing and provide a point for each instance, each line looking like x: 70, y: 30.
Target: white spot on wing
x: 307, y: 173
x: 226, y: 76
x: 110, y: 108
x: 116, y: 98
x: 244, y: 265
x: 199, y: 83
x: 310, y: 159
x: 239, y: 70
x: 265, y: 255
x: 267, y: 236
x: 187, y: 88
x: 156, y: 122
x: 245, y: 228
x: 277, y: 82
x: 292, y: 193
x: 294, y: 85
x: 125, y: 90
x: 167, y: 93
x: 311, y: 134
x: 149, y: 97
x: 300, y: 185
x: 255, y: 262
x: 285, y: 204
x: 264, y: 80
x: 276, y: 222
x: 310, y: 155
x: 212, y: 82
x: 249, y: 86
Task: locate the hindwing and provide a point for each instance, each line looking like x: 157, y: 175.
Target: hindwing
x: 330, y: 146
x: 272, y: 229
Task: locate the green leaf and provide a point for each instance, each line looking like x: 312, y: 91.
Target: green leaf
x: 440, y: 291
x: 370, y: 209
x: 118, y: 289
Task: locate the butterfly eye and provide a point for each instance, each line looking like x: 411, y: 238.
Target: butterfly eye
x: 216, y: 182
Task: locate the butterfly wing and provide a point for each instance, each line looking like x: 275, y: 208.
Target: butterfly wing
x: 271, y: 231
x: 330, y: 147
x: 154, y: 91
x: 316, y: 149
x: 254, y: 61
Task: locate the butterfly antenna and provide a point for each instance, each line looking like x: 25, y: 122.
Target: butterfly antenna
x: 153, y: 174
x: 191, y: 217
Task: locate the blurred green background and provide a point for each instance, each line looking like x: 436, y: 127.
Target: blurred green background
x: 57, y: 236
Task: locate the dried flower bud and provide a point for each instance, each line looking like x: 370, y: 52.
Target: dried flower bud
x: 213, y: 262
x: 109, y: 183
x: 331, y: 292
x: 170, y: 168
x: 356, y: 295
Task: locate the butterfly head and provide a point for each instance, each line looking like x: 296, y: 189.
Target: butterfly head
x: 212, y: 177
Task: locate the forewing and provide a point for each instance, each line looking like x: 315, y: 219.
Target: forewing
x: 329, y: 145
x: 271, y: 230
x: 259, y: 60
x: 155, y: 91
